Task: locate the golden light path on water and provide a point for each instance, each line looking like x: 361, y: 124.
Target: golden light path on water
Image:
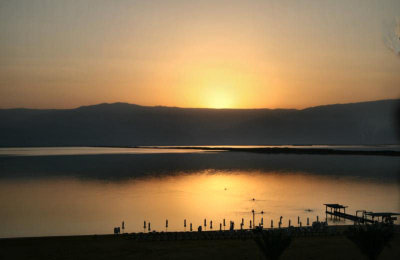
x: 70, y: 206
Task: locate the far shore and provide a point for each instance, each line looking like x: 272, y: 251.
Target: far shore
x: 282, y: 150
x: 296, y: 149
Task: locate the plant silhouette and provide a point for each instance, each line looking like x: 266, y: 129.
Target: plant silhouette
x: 273, y: 243
x: 371, y: 239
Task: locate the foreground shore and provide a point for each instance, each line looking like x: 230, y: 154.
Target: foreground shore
x: 328, y: 246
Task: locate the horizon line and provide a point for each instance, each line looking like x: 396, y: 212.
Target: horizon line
x: 208, y: 108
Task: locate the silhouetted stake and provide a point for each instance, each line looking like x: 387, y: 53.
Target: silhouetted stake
x: 191, y: 227
x: 289, y: 223
x: 184, y: 224
x: 298, y: 220
x: 250, y: 225
x: 205, y: 224
x: 149, y: 228
x: 308, y: 221
x: 262, y: 221
x: 253, y: 217
x: 272, y: 223
x: 224, y: 224
x: 210, y: 224
x: 123, y: 226
x: 242, y: 221
x: 166, y: 225
x: 144, y: 226
x: 317, y: 219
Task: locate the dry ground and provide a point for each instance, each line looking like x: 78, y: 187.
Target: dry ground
x: 121, y: 247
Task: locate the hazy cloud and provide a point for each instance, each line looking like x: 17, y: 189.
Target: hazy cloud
x: 392, y: 38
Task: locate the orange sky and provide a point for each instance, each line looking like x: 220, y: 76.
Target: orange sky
x: 234, y: 54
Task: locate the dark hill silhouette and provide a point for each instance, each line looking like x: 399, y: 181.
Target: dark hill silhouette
x: 122, y: 124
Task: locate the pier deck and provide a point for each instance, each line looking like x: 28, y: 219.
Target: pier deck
x: 349, y: 217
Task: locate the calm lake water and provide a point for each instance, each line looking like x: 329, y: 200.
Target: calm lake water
x: 69, y: 191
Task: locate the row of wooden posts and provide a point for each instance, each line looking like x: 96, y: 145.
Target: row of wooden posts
x: 147, y: 225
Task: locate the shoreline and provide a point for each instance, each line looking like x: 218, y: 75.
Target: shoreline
x: 295, y: 230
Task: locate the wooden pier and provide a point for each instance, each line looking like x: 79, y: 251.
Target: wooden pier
x: 335, y: 211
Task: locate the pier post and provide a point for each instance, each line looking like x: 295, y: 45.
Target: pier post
x: 253, y: 218
x: 272, y: 223
x: 224, y: 224
x: 191, y: 227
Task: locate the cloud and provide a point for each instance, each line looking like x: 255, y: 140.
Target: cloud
x: 392, y: 37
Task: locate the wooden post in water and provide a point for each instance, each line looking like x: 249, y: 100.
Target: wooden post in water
x: 253, y: 218
x: 308, y: 221
x: 250, y: 225
x: 224, y: 224
x: 210, y: 224
x: 184, y: 224
x: 272, y: 223
x: 149, y: 228
x: 123, y: 226
x: 205, y: 224
x: 144, y: 226
x: 289, y: 223
x: 191, y: 227
x: 166, y: 225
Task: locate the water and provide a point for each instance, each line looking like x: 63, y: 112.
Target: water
x: 91, y: 190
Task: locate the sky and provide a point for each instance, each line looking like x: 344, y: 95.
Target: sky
x: 198, y: 53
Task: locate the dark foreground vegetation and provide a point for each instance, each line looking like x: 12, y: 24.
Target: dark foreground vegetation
x: 327, y: 246
x: 371, y: 239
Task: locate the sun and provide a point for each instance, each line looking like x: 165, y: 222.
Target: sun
x: 219, y: 99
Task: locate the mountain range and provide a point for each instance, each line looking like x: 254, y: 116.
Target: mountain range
x: 122, y: 124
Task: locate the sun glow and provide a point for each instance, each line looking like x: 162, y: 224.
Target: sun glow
x: 219, y: 99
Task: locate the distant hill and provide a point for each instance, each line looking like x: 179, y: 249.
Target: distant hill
x: 122, y: 124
